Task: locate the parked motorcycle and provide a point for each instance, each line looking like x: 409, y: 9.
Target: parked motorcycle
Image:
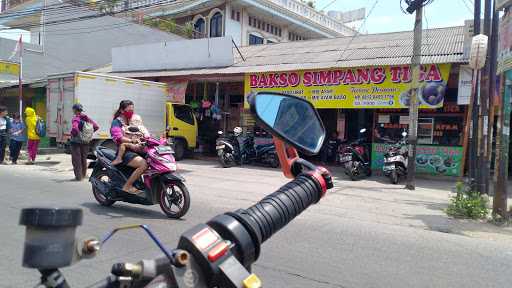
x: 355, y: 159
x: 228, y: 148
x: 395, y: 160
x: 160, y: 183
x: 233, y: 150
x: 219, y: 253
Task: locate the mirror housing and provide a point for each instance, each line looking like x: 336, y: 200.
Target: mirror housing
x: 290, y: 118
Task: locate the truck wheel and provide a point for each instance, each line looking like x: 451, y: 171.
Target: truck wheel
x: 179, y: 149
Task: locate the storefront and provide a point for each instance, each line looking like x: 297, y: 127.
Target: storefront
x: 376, y: 98
x: 33, y: 96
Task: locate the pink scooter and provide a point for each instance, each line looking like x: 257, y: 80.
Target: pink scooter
x: 161, y: 183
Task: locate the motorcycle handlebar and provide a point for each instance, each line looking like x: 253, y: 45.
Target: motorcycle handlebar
x: 279, y: 208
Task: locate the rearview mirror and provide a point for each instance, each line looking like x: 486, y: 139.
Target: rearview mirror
x: 404, y: 134
x: 290, y: 118
x: 362, y: 130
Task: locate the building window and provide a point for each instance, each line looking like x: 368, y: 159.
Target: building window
x: 250, y: 21
x: 255, y: 40
x: 238, y: 16
x: 216, y: 25
x: 233, y: 14
x: 199, y: 27
x: 268, y: 27
x: 279, y: 30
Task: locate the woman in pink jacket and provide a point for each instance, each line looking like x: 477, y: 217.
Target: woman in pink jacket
x: 80, y: 146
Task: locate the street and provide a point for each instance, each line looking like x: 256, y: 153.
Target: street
x: 344, y: 241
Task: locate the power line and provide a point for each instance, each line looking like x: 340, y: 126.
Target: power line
x: 468, y: 6
x: 358, y: 30
x: 83, y: 17
x: 330, y: 3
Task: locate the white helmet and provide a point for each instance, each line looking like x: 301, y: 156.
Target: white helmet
x: 237, y: 131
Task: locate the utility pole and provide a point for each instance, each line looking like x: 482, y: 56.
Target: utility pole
x: 20, y: 79
x: 483, y: 119
x: 493, y: 59
x: 473, y: 145
x: 414, y: 6
x: 499, y: 206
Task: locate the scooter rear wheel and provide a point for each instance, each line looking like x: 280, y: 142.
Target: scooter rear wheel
x: 174, y: 195
x: 103, y: 177
x: 394, y: 177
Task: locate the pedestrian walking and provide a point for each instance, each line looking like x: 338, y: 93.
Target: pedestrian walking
x: 17, y: 133
x: 32, y: 135
x: 5, y: 125
x: 82, y: 130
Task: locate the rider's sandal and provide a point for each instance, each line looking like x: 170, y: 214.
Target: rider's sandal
x: 135, y: 191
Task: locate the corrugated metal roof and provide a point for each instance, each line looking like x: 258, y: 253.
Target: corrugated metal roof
x: 441, y: 45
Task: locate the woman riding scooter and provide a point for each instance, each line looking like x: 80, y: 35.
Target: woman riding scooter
x: 122, y: 118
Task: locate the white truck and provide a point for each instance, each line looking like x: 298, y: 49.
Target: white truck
x: 100, y: 95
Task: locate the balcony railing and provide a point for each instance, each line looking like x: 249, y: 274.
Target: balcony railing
x: 295, y: 6
x: 314, y: 15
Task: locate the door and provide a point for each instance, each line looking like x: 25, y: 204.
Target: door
x: 182, y: 123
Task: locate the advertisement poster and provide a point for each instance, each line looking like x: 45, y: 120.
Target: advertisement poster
x: 434, y: 160
x: 177, y: 91
x: 364, y: 87
x: 465, y: 85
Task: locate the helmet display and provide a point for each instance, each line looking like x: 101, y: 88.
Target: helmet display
x: 237, y: 131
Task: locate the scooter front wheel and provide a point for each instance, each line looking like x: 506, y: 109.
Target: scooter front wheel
x: 174, y: 199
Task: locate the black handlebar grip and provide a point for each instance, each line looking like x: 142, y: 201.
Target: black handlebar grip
x: 279, y: 208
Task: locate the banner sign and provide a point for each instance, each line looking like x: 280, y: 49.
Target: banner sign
x: 177, y: 91
x: 365, y: 87
x: 434, y: 160
x: 9, y: 68
x: 505, y: 44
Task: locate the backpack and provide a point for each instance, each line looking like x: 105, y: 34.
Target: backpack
x: 40, y: 127
x: 86, y: 132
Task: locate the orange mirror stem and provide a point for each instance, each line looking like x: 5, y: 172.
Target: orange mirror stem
x: 287, y: 156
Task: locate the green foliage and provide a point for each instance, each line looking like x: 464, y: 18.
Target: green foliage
x: 467, y: 203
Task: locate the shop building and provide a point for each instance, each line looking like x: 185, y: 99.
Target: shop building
x: 361, y: 82
x: 248, y: 22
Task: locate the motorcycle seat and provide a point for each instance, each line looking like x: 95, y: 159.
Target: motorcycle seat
x: 107, y: 153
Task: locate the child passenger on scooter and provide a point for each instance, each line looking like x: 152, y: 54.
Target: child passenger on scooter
x: 136, y: 132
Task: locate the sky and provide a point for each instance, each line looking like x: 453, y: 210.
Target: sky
x: 388, y: 17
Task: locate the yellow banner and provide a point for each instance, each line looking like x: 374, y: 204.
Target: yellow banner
x: 364, y: 87
x: 9, y: 68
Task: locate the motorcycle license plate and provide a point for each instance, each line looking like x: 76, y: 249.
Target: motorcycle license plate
x: 346, y: 158
x: 220, y: 147
x: 389, y: 167
x: 163, y: 150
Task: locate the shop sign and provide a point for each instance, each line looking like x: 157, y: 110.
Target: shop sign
x: 505, y: 44
x: 434, y: 160
x: 364, y: 87
x: 9, y: 68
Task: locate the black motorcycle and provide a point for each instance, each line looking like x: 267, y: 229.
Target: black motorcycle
x: 236, y: 150
x: 355, y: 159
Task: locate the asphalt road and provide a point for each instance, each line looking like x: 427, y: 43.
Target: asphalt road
x: 323, y: 247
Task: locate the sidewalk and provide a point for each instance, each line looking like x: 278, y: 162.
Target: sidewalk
x: 375, y: 199
x: 369, y: 200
